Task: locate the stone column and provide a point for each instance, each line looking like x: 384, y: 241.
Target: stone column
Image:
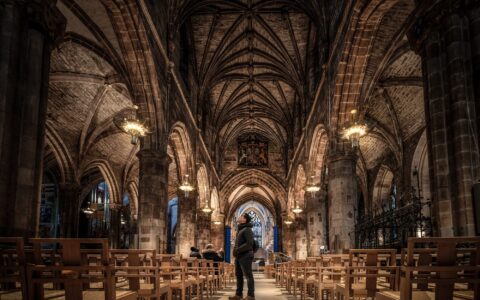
x: 69, y: 207
x: 28, y: 32
x: 153, y: 199
x: 114, y: 232
x: 203, y: 229
x: 300, y: 234
x: 288, y: 238
x: 217, y: 234
x: 342, y: 197
x: 316, y: 222
x: 443, y: 41
x: 186, y: 228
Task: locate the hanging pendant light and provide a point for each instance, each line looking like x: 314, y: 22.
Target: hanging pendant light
x: 297, y: 209
x: 355, y: 131
x: 88, y: 210
x: 207, y: 209
x: 186, y: 186
x: 128, y: 121
x: 288, y: 222
x: 217, y: 222
x: 311, y: 187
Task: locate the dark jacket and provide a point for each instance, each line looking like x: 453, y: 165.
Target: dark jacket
x: 244, y: 240
x: 196, y: 254
x: 210, y: 254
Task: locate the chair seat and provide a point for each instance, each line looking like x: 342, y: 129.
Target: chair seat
x: 119, y: 295
x: 146, y: 289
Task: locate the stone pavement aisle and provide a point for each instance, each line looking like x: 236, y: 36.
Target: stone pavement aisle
x: 265, y: 289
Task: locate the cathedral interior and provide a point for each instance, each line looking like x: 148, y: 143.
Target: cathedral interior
x: 335, y: 124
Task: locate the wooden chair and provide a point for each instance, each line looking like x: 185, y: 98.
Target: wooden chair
x: 138, y: 267
x: 439, y: 268
x: 331, y: 271
x: 364, y: 273
x: 208, y: 274
x: 71, y: 270
x: 198, y: 282
x: 175, y: 275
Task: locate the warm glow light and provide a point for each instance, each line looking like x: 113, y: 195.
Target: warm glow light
x: 217, y: 223
x: 312, y: 188
x: 288, y: 222
x: 134, y: 128
x: 297, y: 210
x: 207, y: 209
x: 88, y: 210
x: 128, y: 121
x: 355, y: 131
x: 186, y: 186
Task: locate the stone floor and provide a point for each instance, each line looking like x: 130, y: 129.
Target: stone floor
x: 264, y: 289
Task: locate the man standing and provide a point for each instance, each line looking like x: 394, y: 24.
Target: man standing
x: 243, y: 252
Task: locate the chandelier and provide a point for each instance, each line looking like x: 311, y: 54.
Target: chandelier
x: 207, y: 209
x: 288, y: 222
x: 186, y: 186
x: 297, y: 209
x: 128, y: 121
x: 217, y: 222
x: 355, y: 131
x: 88, y: 210
x: 311, y: 187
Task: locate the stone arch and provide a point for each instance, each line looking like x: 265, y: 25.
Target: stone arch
x: 317, y: 153
x: 246, y: 198
x: 254, y: 178
x: 420, y: 168
x: 132, y: 190
x: 215, y: 204
x: 62, y: 155
x: 108, y: 175
x: 356, y: 57
x: 300, y: 182
x: 382, y: 187
x: 179, y: 141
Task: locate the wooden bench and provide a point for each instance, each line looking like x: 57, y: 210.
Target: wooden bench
x: 12, y: 268
x: 364, y: 272
x: 439, y: 268
x: 72, y: 271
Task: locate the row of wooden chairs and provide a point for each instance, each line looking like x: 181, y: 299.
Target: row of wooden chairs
x: 76, y: 269
x: 429, y: 268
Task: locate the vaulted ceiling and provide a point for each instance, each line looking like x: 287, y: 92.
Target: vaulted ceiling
x: 250, y: 58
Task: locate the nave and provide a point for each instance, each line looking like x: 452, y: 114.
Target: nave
x: 136, y: 134
x: 265, y: 289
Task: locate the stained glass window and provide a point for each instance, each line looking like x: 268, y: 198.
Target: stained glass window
x: 257, y: 228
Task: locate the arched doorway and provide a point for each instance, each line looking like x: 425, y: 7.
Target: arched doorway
x: 263, y: 227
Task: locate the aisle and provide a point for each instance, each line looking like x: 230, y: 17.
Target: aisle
x: 264, y: 289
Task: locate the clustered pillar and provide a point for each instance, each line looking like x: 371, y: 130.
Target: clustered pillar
x: 300, y: 236
x: 316, y: 222
x: 28, y: 32
x: 153, y: 188
x: 448, y: 40
x: 186, y: 229
x: 203, y: 230
x: 342, y: 199
x: 69, y: 205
